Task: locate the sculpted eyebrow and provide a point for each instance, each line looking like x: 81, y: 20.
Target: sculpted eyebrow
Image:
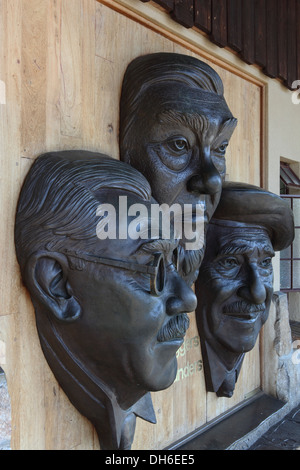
x: 196, y: 122
x: 268, y: 250
x: 232, y: 249
x: 199, y: 123
x: 225, y: 131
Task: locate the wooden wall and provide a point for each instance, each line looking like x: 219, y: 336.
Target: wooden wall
x: 61, y: 68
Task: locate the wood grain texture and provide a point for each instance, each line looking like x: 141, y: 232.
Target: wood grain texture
x: 62, y: 62
x: 292, y: 43
x: 203, y: 15
x: 248, y: 34
x: 219, y: 22
x: 234, y: 28
x: 282, y: 40
x: 183, y: 12
x: 271, y: 68
x: 260, y: 33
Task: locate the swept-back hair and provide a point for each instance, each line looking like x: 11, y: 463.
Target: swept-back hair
x: 162, y: 67
x: 58, y: 199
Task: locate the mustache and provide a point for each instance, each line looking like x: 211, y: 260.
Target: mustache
x: 241, y: 306
x: 175, y: 328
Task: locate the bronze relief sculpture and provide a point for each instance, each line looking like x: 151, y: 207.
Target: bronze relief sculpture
x: 235, y: 284
x: 110, y: 313
x: 175, y: 126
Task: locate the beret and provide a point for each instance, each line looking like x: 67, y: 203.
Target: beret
x: 245, y: 203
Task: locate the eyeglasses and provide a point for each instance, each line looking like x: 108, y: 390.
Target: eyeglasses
x: 156, y: 270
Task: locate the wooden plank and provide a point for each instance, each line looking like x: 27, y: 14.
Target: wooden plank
x: 260, y: 25
x: 167, y: 4
x: 247, y: 52
x: 183, y: 12
x: 10, y: 148
x: 271, y: 68
x: 291, y: 44
x: 298, y: 39
x: 219, y: 22
x: 203, y: 15
x: 88, y: 50
x: 53, y: 135
x: 33, y: 61
x: 71, y: 119
x: 282, y: 39
x: 234, y: 21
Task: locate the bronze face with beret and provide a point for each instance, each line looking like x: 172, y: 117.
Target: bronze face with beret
x: 235, y: 284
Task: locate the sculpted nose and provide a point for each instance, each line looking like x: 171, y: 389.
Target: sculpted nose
x: 205, y: 183
x: 208, y: 180
x: 255, y: 291
x: 182, y: 298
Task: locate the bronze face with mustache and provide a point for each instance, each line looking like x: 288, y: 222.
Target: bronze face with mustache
x: 235, y: 284
x: 110, y: 313
x: 244, y: 310
x: 175, y: 328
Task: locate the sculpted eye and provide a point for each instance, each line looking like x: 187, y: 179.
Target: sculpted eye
x: 178, y: 145
x: 228, y: 266
x: 175, y: 152
x: 222, y: 149
x: 266, y: 263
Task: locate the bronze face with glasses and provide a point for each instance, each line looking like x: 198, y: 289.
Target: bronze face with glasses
x: 110, y: 314
x: 156, y: 269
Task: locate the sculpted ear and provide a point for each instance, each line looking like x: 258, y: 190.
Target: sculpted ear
x: 47, y: 282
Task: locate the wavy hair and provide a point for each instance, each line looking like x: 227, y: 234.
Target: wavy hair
x: 158, y: 68
x: 58, y: 200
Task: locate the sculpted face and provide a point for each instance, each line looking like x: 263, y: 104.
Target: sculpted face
x: 235, y: 283
x: 111, y: 308
x: 180, y: 146
x: 236, y: 280
x: 130, y: 330
x: 175, y: 127
x: 133, y: 307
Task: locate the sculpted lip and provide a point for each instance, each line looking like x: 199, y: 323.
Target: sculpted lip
x: 175, y: 328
